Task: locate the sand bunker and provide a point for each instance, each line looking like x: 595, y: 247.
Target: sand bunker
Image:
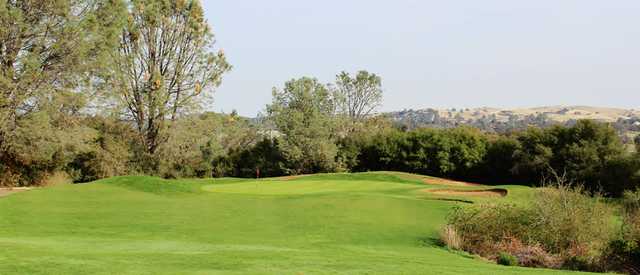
x: 433, y: 180
x: 495, y: 192
x: 439, y: 181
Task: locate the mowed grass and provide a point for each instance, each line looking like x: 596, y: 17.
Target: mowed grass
x: 370, y: 223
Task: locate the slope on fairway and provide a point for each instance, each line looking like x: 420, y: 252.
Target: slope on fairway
x: 372, y: 223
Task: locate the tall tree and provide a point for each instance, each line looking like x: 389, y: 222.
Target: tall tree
x: 359, y: 95
x: 303, y: 113
x: 49, y: 51
x: 166, y: 64
x: 49, y: 46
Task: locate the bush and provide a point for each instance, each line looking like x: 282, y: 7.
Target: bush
x: 623, y: 254
x: 563, y: 227
x: 507, y: 259
x: 570, y: 222
x: 484, y: 226
x: 529, y: 255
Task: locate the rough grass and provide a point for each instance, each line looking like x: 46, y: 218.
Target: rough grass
x: 368, y: 223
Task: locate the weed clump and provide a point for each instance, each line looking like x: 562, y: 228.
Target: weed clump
x: 507, y: 259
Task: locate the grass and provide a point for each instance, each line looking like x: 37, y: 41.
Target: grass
x: 370, y: 223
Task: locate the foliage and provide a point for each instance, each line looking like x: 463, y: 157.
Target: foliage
x: 302, y: 112
x: 358, y: 96
x: 48, y: 51
x: 507, y: 259
x: 623, y: 253
x: 588, y: 154
x: 109, y: 153
x: 426, y: 151
x: 23, y: 166
x: 562, y: 226
x: 265, y: 158
x: 164, y: 66
x: 583, y: 152
x: 571, y: 221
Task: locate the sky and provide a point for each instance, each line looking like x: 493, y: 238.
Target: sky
x: 440, y: 54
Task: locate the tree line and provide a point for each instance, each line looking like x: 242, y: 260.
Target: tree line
x: 100, y: 88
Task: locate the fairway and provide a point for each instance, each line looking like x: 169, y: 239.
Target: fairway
x: 370, y: 223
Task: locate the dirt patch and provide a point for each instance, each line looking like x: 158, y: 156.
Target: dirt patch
x: 495, y: 192
x: 8, y: 191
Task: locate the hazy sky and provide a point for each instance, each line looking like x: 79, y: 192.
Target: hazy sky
x: 498, y: 53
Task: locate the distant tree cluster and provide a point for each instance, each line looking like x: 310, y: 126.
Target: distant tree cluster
x: 588, y: 154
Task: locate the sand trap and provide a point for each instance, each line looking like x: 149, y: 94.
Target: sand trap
x: 495, y: 192
x: 439, y: 181
x: 8, y: 191
x: 433, y: 180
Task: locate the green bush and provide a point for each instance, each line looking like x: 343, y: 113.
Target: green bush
x: 623, y: 254
x: 507, y: 259
x: 570, y: 222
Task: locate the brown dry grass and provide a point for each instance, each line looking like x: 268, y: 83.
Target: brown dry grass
x: 451, y: 238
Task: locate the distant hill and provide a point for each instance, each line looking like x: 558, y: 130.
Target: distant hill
x: 626, y: 121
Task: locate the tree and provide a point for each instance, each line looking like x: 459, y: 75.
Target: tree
x: 194, y: 142
x: 49, y: 52
x: 359, y: 95
x: 165, y: 65
x: 303, y: 113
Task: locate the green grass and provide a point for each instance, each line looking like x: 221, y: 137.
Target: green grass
x: 371, y: 223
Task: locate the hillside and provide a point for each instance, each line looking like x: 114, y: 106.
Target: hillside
x: 501, y: 120
x: 371, y: 223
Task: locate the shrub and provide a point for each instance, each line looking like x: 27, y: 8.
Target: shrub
x: 482, y: 227
x: 507, y: 259
x: 579, y: 263
x: 631, y: 215
x: 570, y: 222
x: 563, y: 227
x: 529, y: 255
x: 623, y: 254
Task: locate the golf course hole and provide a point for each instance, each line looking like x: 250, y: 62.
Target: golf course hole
x: 494, y: 192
